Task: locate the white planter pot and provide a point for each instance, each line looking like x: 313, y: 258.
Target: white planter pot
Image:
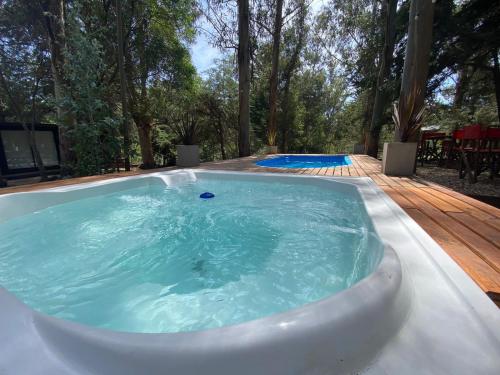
x: 399, y: 158
x: 271, y: 149
x: 188, y: 156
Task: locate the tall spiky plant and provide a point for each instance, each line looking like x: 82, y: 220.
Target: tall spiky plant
x: 271, y: 137
x: 407, y: 115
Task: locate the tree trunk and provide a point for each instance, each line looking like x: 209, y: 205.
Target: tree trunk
x: 496, y: 79
x: 244, y: 77
x: 144, y: 133
x: 273, y: 80
x: 223, y: 148
x: 369, y: 91
x: 220, y: 132
x: 381, y: 92
x: 123, y: 85
x: 368, y: 97
x: 416, y: 66
x: 138, y: 97
x: 31, y: 132
x: 460, y: 87
x: 288, y: 72
x: 285, y: 128
x: 55, y: 27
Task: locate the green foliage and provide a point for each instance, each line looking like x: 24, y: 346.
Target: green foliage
x: 95, y: 136
x: 22, y: 62
x: 328, y: 67
x: 163, y: 145
x: 96, y: 146
x: 219, y: 101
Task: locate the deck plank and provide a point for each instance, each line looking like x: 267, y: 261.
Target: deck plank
x: 473, y: 202
x: 353, y: 171
x: 441, y: 204
x: 417, y: 182
x: 460, y: 204
x: 398, y: 197
x: 404, y: 181
x: 483, y: 248
x: 378, y: 180
x: 329, y: 172
x: 484, y: 275
x: 494, y: 223
x: 315, y: 171
x: 391, y: 181
x: 483, y: 229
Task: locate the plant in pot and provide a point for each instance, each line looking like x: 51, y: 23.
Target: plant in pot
x: 271, y: 147
x: 187, y: 126
x: 399, y: 157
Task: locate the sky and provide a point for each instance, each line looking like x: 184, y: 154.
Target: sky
x: 204, y: 55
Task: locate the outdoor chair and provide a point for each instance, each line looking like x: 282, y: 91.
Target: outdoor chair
x: 493, y: 150
x: 429, y: 148
x: 451, y: 147
x: 477, y: 151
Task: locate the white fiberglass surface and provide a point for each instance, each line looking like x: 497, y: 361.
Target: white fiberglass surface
x: 159, y: 259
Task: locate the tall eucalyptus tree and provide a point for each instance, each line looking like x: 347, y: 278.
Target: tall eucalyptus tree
x: 294, y: 41
x: 244, y: 77
x: 382, y: 93
x: 272, y: 126
x: 415, y: 71
x: 123, y: 84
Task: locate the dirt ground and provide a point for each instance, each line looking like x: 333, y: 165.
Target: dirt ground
x: 449, y: 177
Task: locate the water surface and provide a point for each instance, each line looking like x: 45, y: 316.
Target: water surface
x: 154, y: 259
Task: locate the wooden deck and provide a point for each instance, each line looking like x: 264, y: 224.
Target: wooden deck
x: 467, y: 229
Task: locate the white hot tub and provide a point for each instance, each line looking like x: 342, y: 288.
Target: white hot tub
x: 413, y: 311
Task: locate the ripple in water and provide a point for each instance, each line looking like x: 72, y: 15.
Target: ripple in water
x: 153, y: 259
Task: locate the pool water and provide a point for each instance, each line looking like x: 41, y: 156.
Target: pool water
x: 305, y: 161
x: 157, y: 259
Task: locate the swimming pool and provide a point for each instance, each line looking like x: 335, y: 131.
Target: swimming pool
x: 360, y: 298
x: 305, y: 161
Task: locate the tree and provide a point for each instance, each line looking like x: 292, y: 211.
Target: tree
x: 94, y: 136
x: 53, y: 13
x: 221, y: 107
x: 348, y: 32
x: 272, y: 127
x: 244, y: 77
x: 22, y: 73
x: 416, y: 67
x: 381, y: 92
x: 156, y: 55
x: 496, y: 80
x: 297, y: 36
x: 123, y: 85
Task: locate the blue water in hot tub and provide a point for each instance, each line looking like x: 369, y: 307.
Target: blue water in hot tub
x: 157, y: 259
x: 305, y: 161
